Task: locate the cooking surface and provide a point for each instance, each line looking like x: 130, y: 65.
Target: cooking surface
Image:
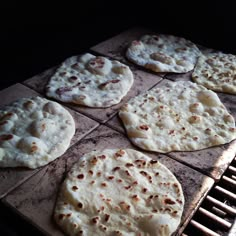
x: 12, y: 177
x: 142, y: 82
x: 35, y: 198
x: 41, y: 190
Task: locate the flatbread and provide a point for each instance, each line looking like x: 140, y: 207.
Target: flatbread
x: 163, y: 53
x: 119, y: 192
x: 33, y: 132
x: 216, y: 71
x: 91, y: 81
x: 178, y: 116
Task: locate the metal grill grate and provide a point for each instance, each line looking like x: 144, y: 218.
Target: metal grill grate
x: 217, y: 214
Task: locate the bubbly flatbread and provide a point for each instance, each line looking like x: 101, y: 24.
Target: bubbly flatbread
x: 178, y: 116
x: 216, y: 71
x: 119, y: 192
x: 89, y: 80
x: 163, y: 53
x: 33, y: 132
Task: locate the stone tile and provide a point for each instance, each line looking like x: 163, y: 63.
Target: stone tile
x: 210, y: 161
x: 115, y: 47
x: 38, y: 82
x: 12, y: 177
x: 142, y: 82
x: 116, y: 124
x: 229, y: 101
x: 35, y: 199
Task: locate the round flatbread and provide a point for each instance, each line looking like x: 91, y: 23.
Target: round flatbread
x: 216, y: 71
x: 119, y: 192
x: 163, y: 53
x: 91, y: 81
x: 179, y: 116
x: 33, y: 132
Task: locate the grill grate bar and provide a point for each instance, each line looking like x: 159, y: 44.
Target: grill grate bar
x: 217, y: 219
x: 222, y: 206
x: 229, y: 181
x: 232, y: 170
x: 203, y: 228
x: 218, y: 212
x: 225, y: 192
x: 216, y: 215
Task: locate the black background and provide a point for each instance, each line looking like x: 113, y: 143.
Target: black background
x: 36, y: 36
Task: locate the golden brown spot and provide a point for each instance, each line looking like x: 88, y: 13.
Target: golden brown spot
x: 144, y: 127
x: 102, y: 157
x: 143, y: 173
x: 127, y: 187
x: 167, y: 209
x: 120, y: 153
x: 5, y: 137
x: 106, y: 217
x: 169, y: 201
x: 95, y: 220
x: 116, y: 168
x: 94, y: 161
x: 33, y: 149
x: 43, y: 126
x: 129, y: 164
x: 80, y: 176
x: 153, y: 162
x: 179, y: 201
x: 74, y: 188
x: 135, y: 197
x: 3, y: 122
x: 61, y: 216
x: 28, y: 104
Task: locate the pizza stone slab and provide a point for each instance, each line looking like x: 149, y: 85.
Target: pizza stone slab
x: 39, y: 82
x: 35, y: 199
x: 115, y: 47
x: 12, y: 177
x: 142, y: 82
x: 210, y: 161
x: 229, y: 101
